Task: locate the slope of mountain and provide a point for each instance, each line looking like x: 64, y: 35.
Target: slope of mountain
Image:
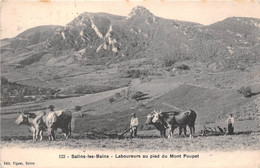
x: 240, y: 28
x: 141, y: 34
x: 31, y: 37
x: 241, y: 38
x: 211, y: 105
x: 103, y: 39
x: 103, y: 36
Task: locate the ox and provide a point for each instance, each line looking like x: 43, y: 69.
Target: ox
x: 172, y: 120
x: 163, y: 124
x: 34, y: 121
x: 59, y: 119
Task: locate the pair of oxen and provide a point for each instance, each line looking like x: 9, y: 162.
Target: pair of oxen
x: 37, y: 123
x: 161, y: 120
x: 172, y: 120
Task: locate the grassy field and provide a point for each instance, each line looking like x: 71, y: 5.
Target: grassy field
x: 240, y: 141
x: 211, y: 104
x: 247, y: 137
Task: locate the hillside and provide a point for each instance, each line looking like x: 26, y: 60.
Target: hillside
x: 211, y: 105
x: 29, y: 38
x: 12, y: 92
x: 100, y: 39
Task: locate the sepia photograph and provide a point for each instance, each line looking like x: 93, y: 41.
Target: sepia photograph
x: 142, y: 83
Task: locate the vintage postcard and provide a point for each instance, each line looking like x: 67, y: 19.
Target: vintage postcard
x: 130, y: 84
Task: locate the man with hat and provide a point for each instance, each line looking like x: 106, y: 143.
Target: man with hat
x: 231, y: 122
x: 50, y: 122
x: 133, y: 125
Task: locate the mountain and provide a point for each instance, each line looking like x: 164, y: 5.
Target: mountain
x: 107, y: 37
x: 247, y: 28
x: 241, y: 37
x: 31, y: 37
x: 141, y: 34
x: 102, y: 39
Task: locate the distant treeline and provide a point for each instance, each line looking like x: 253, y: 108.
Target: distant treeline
x: 15, y: 89
x: 12, y: 92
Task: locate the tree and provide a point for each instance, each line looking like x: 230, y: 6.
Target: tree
x: 246, y: 91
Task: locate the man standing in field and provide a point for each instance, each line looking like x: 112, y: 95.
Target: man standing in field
x: 50, y: 122
x: 133, y: 125
x: 231, y: 122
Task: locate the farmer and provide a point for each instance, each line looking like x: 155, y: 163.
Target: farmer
x: 231, y: 122
x: 50, y: 121
x: 133, y: 125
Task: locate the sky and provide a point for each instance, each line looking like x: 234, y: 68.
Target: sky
x: 18, y: 16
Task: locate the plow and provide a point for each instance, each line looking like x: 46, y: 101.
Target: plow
x: 93, y: 134
x: 208, y: 131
